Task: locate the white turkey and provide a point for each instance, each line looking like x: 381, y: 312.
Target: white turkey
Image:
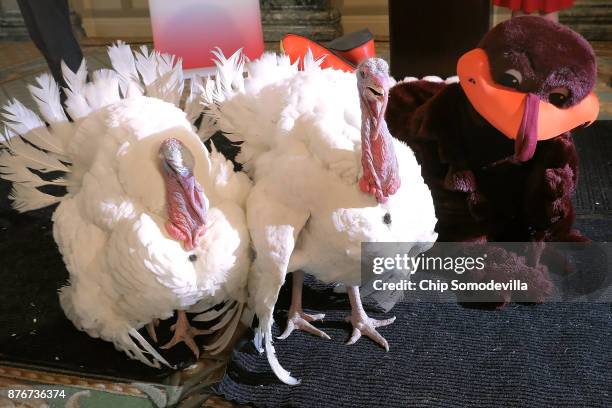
x: 327, y: 176
x: 151, y: 221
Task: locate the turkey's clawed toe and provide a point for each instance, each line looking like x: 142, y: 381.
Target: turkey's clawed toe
x: 184, y: 332
x: 301, y: 321
x: 151, y: 329
x: 367, y: 326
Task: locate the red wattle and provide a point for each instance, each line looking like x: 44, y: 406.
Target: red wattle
x: 186, y: 209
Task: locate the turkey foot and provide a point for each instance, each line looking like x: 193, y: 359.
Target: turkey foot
x: 151, y: 329
x: 296, y: 318
x: 184, y: 332
x: 362, y: 324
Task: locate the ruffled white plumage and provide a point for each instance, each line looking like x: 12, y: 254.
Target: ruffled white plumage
x: 301, y: 144
x: 124, y: 269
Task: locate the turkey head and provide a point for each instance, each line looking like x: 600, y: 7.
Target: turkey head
x: 380, y: 168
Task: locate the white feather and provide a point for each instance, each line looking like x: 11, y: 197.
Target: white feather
x: 123, y: 62
x: 13, y: 169
x: 223, y: 341
x: 47, y: 97
x: 310, y: 63
x: 30, y: 156
x: 162, y: 75
x: 75, y: 81
x: 23, y: 121
x: 170, y: 83
x: 76, y: 104
x: 27, y: 198
x: 281, y: 373
x: 19, y: 118
x: 103, y: 90
x: 210, y: 315
x: 146, y: 65
x: 193, y: 103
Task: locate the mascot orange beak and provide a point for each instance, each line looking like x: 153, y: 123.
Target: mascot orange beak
x: 520, y: 116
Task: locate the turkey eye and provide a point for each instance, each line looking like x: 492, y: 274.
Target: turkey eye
x: 511, y: 78
x: 193, y: 257
x: 387, y: 218
x: 362, y: 74
x: 558, y: 96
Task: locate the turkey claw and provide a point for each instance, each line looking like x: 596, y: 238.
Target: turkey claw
x: 367, y: 326
x: 301, y: 321
x: 151, y: 329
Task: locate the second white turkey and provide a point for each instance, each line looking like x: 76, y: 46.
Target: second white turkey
x: 327, y: 176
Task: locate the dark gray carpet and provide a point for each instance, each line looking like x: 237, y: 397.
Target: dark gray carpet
x: 442, y: 355
x: 594, y: 193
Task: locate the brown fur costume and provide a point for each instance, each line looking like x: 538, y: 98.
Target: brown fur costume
x: 479, y: 196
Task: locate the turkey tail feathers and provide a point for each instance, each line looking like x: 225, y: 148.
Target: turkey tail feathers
x: 26, y: 198
x: 76, y: 104
x: 229, y: 98
x: 130, y: 346
x: 227, y: 82
x: 230, y: 323
x: 33, y: 148
x: 103, y: 90
x: 98, y: 320
x: 34, y: 155
x: 212, y: 314
x: 22, y: 121
x: 47, y: 97
x: 162, y: 75
x: 229, y: 316
x: 124, y: 63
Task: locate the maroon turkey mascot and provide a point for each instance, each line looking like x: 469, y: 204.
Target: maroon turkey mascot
x: 496, y: 149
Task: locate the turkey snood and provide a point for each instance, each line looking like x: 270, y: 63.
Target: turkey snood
x: 186, y: 204
x: 380, y: 167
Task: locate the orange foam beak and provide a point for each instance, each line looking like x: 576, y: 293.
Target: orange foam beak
x: 296, y: 46
x: 504, y: 108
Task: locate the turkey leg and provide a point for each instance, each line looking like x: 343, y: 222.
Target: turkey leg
x: 362, y: 324
x: 296, y: 318
x: 184, y: 332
